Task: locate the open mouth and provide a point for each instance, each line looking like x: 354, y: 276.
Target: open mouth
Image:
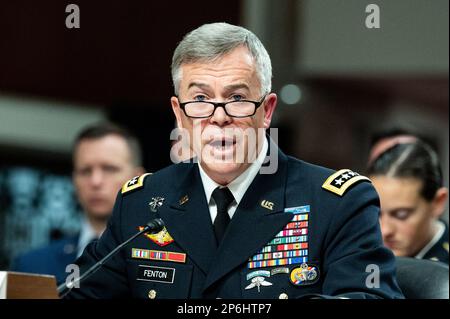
x: 222, y: 144
x: 222, y: 148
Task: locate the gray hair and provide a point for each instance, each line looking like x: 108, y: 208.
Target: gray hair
x: 212, y: 41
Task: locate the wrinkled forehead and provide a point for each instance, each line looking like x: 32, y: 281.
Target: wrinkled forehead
x: 239, y: 57
x: 236, y: 69
x: 208, y: 57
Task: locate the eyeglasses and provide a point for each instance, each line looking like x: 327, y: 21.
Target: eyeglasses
x: 204, y: 109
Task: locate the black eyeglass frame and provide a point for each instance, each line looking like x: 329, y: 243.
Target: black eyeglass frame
x: 222, y: 104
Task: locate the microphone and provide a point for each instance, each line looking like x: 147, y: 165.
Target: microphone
x: 153, y: 226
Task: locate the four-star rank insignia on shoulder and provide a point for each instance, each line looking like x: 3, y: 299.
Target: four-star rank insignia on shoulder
x: 134, y: 183
x: 339, y: 182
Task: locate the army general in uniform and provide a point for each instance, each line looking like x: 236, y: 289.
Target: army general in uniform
x: 231, y: 230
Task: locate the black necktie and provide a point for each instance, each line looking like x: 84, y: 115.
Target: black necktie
x: 223, y: 199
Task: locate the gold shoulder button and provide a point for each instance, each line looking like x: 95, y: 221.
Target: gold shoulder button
x: 134, y: 183
x: 339, y: 182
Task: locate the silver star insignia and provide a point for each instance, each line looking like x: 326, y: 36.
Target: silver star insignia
x: 339, y: 181
x: 133, y: 181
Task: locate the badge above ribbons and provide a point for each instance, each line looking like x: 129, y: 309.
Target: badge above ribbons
x: 162, y: 238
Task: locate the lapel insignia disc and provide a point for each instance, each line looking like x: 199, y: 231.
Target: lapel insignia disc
x: 155, y: 203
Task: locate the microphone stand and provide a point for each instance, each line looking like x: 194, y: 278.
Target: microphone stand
x: 152, y: 226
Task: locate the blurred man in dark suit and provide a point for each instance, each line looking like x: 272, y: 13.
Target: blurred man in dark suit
x: 104, y: 157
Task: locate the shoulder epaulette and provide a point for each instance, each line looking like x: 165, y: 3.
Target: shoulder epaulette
x: 134, y: 183
x: 339, y: 182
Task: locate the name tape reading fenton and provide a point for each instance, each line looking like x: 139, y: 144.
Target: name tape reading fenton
x: 157, y: 274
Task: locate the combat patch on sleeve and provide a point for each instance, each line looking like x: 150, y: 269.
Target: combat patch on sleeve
x: 339, y: 182
x: 134, y: 183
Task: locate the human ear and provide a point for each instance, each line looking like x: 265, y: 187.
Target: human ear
x: 439, y: 201
x: 176, y: 110
x: 269, y: 108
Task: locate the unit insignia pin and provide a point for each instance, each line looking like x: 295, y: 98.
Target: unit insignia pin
x: 155, y: 203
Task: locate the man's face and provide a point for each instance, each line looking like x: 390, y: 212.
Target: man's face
x: 101, y: 166
x: 406, y: 217
x: 230, y: 78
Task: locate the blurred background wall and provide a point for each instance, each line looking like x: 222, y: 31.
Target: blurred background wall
x: 337, y: 80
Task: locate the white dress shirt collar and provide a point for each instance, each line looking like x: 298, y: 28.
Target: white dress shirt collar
x: 238, y: 186
x: 87, y: 234
x: 440, y: 231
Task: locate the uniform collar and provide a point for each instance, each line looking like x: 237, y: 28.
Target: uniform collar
x: 437, y: 236
x: 240, y: 184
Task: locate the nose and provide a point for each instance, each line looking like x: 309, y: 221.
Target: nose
x: 387, y: 228
x: 96, y: 178
x: 220, y: 117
